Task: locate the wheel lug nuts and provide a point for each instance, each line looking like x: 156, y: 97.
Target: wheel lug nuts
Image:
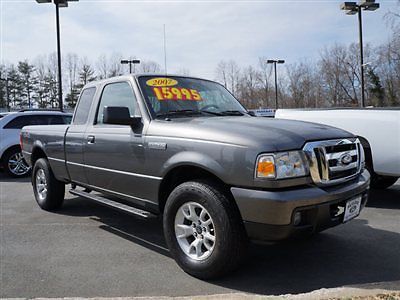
x: 204, y: 229
x: 199, y: 222
x: 193, y: 225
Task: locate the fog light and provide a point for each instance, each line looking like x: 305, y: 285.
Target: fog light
x: 297, y: 218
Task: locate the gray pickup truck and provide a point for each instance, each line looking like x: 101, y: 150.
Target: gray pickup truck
x: 185, y: 149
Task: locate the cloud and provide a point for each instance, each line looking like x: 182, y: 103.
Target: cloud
x: 199, y: 33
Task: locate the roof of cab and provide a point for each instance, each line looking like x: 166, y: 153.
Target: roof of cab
x: 129, y: 76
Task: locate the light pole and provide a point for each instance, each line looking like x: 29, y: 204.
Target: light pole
x: 58, y: 4
x: 276, y: 61
x: 130, y: 62
x: 353, y: 8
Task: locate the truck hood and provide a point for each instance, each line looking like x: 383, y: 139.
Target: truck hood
x: 267, y: 134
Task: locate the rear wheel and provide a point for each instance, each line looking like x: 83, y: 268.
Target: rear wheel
x: 49, y: 192
x: 14, y: 163
x: 380, y: 182
x: 204, y: 230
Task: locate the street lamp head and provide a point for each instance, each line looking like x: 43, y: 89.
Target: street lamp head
x: 135, y: 61
x: 351, y: 12
x: 61, y: 3
x: 364, y: 3
x: 270, y: 61
x: 350, y: 6
x: 280, y: 61
x: 124, y: 61
x: 372, y: 7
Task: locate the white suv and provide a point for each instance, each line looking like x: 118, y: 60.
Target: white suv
x: 11, y: 159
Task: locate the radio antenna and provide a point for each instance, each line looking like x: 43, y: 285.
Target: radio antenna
x: 165, y: 51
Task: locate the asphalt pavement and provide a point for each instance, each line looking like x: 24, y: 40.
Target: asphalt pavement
x: 87, y: 250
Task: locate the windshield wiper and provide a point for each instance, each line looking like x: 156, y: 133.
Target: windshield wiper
x: 179, y: 112
x: 232, y: 113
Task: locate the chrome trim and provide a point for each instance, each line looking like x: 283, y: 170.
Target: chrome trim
x: 113, y: 171
x: 56, y: 159
x: 318, y: 159
x: 27, y: 152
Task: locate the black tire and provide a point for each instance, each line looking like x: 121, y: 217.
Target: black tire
x: 380, y: 182
x: 231, y: 240
x: 54, y: 197
x: 9, y: 156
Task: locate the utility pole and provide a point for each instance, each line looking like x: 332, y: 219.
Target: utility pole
x: 276, y: 61
x: 58, y: 4
x: 353, y: 8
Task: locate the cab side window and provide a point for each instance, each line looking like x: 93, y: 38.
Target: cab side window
x: 117, y: 94
x: 83, y: 108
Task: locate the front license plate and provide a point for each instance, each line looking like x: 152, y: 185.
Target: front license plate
x: 352, y: 209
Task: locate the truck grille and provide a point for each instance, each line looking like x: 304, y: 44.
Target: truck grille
x: 334, y: 161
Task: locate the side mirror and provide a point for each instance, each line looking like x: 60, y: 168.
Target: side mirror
x: 119, y: 115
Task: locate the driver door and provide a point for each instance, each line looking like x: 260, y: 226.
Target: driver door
x: 114, y: 154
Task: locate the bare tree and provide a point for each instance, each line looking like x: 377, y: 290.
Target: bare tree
x: 149, y: 66
x: 221, y: 73
x: 72, y: 66
x: 249, y: 88
x: 102, y: 66
x: 114, y: 65
x: 303, y: 85
x: 265, y: 73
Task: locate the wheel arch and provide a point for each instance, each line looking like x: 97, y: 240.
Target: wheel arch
x: 37, y: 152
x: 367, y: 151
x: 183, y: 173
x: 5, y: 152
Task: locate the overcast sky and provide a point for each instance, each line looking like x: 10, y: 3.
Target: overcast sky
x: 199, y: 33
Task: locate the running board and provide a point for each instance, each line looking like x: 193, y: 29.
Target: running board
x: 114, y: 204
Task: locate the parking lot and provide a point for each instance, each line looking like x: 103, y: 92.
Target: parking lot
x: 86, y: 250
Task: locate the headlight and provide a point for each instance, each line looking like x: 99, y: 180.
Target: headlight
x: 281, y: 165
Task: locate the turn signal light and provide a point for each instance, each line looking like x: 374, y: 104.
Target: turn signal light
x: 266, y: 167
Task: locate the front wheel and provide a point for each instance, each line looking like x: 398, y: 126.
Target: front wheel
x: 49, y: 192
x: 204, y: 230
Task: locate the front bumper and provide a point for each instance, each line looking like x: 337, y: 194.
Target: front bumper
x: 268, y: 215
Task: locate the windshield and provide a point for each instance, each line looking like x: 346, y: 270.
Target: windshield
x: 181, y: 96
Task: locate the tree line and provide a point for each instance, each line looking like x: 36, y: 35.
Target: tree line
x: 34, y: 83
x: 332, y: 80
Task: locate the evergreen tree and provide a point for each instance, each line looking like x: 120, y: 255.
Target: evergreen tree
x: 14, y: 87
x: 3, y: 87
x: 27, y: 82
x: 376, y: 89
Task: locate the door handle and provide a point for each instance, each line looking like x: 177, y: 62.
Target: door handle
x: 90, y: 139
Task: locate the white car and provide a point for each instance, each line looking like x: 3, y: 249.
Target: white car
x: 377, y: 128
x: 11, y: 159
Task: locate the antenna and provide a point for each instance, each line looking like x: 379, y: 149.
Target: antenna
x: 165, y: 51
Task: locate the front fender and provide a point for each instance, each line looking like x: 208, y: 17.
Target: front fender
x: 191, y: 158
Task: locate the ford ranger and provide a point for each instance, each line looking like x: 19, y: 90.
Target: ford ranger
x: 185, y: 149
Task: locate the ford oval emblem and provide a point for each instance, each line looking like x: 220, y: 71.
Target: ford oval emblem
x: 346, y: 159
